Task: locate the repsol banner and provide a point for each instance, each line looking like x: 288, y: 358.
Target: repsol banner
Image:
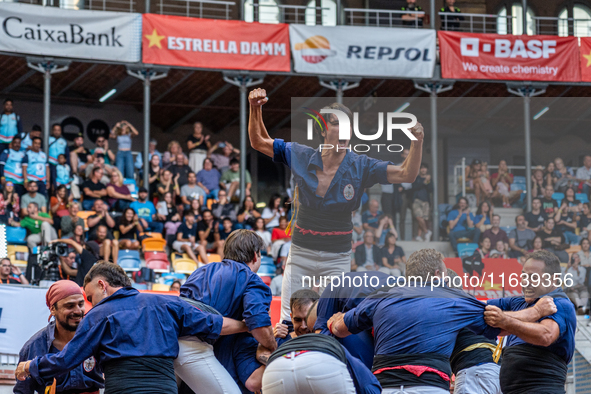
x: 363, y: 51
x: 81, y: 34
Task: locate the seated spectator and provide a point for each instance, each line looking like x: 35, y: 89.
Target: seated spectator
x: 520, y: 238
x: 38, y: 224
x: 539, y: 183
x: 230, y: 180
x: 58, y: 205
x: 118, y: 194
x: 538, y: 244
x: 176, y: 286
x: 71, y: 220
x: 170, y: 156
x: 484, y: 248
x: 108, y: 248
x: 278, y: 233
x: 195, y: 208
x: 584, y: 254
x: 11, y: 274
x: 129, y: 230
x: 486, y: 189
x: 367, y: 256
x: 78, y: 235
x: 190, y: 191
x: 371, y: 217
x: 501, y: 181
x: 9, y: 203
x: 169, y: 214
x: 208, y: 232
x: 63, y: 172
x: 458, y: 224
x: 549, y: 173
x: 208, y: 179
x: 421, y: 188
x: 248, y: 213
x: 227, y: 228
x: 33, y: 196
x: 221, y: 161
x: 80, y: 157
x: 567, y: 215
x: 393, y: 258
x: 496, y: 234
x: 499, y: 252
x: 273, y: 212
x: 563, y: 176
x: 223, y: 207
x: 93, y: 189
x: 535, y: 218
x: 167, y: 185
x: 154, y: 176
x: 553, y: 240
x: 152, y: 151
x: 102, y: 150
x: 186, y: 236
x: 11, y: 168
x: 99, y: 162
x: 578, y: 293
x: 483, y: 218
x: 180, y: 170
x: 583, y: 174
x: 101, y: 217
x: 584, y: 222
x: 549, y: 205
x: 259, y: 228
x: 147, y: 212
x: 385, y: 223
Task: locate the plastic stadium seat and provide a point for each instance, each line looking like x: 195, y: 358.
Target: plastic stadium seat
x: 129, y: 260
x: 153, y: 245
x: 267, y: 260
x: 160, y: 287
x: 518, y: 186
x: 267, y: 280
x: 183, y: 264
x: 519, y: 179
x: 84, y: 215
x: 171, y: 277
x: 573, y: 249
x: 212, y: 258
x: 507, y: 229
x: 467, y: 249
x: 558, y: 197
x: 16, y: 235
x: 582, y: 197
x: 132, y: 186
x: 139, y: 286
x: 152, y: 235
x: 267, y: 270
x: 18, y: 254
x: 157, y: 261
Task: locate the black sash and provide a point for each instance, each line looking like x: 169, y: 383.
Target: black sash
x: 311, y: 342
x: 394, y: 378
x: 201, y: 306
x: 532, y: 369
x: 336, y: 229
x: 140, y: 375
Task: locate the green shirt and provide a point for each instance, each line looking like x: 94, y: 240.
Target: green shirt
x: 231, y: 176
x: 34, y: 226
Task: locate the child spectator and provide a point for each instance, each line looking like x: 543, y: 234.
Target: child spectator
x: 63, y: 172
x: 227, y: 228
x: 259, y: 228
x: 168, y: 210
x: 499, y: 252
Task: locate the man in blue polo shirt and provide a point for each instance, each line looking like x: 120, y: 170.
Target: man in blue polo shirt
x: 536, y: 356
x: 10, y: 124
x: 461, y: 224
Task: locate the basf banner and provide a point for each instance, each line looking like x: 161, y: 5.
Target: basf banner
x: 507, y: 57
x: 363, y: 51
x: 209, y: 43
x: 53, y: 31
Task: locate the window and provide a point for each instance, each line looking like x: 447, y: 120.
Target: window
x: 516, y: 20
x: 581, y: 24
x: 268, y: 11
x: 71, y: 4
x: 329, y: 13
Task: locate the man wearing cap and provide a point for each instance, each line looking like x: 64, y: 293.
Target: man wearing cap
x: 66, y: 304
x: 146, y: 212
x: 11, y: 169
x: 80, y: 157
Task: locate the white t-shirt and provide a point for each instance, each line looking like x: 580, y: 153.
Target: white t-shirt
x: 268, y: 214
x: 266, y: 236
x: 276, y: 285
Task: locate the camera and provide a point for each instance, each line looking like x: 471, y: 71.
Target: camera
x: 48, y: 261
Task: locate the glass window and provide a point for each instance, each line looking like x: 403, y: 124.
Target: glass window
x: 268, y: 11
x: 516, y: 20
x: 329, y: 13
x: 581, y: 23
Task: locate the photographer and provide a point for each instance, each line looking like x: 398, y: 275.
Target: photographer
x: 85, y: 263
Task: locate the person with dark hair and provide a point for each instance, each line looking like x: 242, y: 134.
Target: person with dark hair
x: 186, y: 234
x: 109, y: 333
x: 495, y: 233
x: 393, y: 259
x: 9, y: 203
x: 300, y: 303
x: 69, y: 222
x: 535, y: 218
x: 129, y: 230
x: 32, y: 195
x: 233, y: 289
x: 221, y: 161
x: 461, y: 224
x: 146, y: 212
x: 27, y: 138
x: 198, y: 144
x: 537, y: 353
x: 65, y: 301
x: 520, y: 238
x: 584, y: 221
x: 553, y: 240
x: 57, y: 146
x: 10, y: 274
x: 272, y: 212
x: 421, y: 210
x: 230, y: 180
x: 80, y: 156
x: 223, y: 207
x: 176, y: 286
x: 279, y: 233
x: 11, y: 169
x: 247, y: 213
x: 180, y: 170
x: 482, y: 220
x: 567, y: 215
x: 36, y: 168
x: 10, y: 124
x: 38, y: 224
x: 208, y: 179
x: 85, y: 258
x: 169, y: 213
x: 260, y: 229
x: 227, y: 228
x: 208, y: 235
x: 93, y: 189
x: 190, y: 191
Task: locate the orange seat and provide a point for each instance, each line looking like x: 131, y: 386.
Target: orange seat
x: 152, y: 235
x: 153, y: 245
x: 212, y: 258
x: 85, y: 215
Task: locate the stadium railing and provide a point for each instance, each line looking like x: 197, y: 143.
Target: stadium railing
x: 381, y: 18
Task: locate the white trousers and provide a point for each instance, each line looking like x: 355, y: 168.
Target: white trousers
x: 315, y: 264
x: 48, y: 232
x: 196, y: 160
x: 416, y: 390
x: 197, y: 366
x: 479, y: 379
x: 307, y: 373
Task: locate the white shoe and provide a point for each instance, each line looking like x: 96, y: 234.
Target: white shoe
x: 419, y: 239
x: 428, y: 235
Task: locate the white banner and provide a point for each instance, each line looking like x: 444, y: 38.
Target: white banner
x: 363, y: 51
x: 22, y: 313
x: 53, y: 31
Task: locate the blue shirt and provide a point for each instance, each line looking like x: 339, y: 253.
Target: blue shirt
x: 36, y: 163
x: 58, y: 147
x: 63, y: 175
x: 10, y: 125
x: 462, y: 224
x: 145, y: 210
x: 210, y: 179
x: 371, y: 220
x: 477, y: 218
x: 417, y: 320
x: 233, y: 290
x: 86, y: 376
x: 129, y: 324
x: 355, y: 173
x: 12, y: 162
x: 565, y: 317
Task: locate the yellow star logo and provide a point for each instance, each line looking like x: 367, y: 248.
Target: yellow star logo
x: 154, y: 39
x: 588, y: 57
x: 492, y: 286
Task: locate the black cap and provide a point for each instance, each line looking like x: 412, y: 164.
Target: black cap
x: 476, y: 161
x: 143, y: 190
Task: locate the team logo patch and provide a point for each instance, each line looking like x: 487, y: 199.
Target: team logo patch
x: 349, y: 192
x: 89, y: 364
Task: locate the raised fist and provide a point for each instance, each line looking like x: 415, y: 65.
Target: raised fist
x: 257, y: 97
x: 418, y: 132
x: 546, y: 306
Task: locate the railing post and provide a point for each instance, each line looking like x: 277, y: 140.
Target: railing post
x: 463, y: 177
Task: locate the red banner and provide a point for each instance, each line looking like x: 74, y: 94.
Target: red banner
x: 507, y: 57
x: 495, y: 278
x: 585, y: 59
x: 210, y: 43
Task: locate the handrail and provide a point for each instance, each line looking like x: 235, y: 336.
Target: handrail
x: 382, y: 18
x: 199, y: 10
x: 384, y: 11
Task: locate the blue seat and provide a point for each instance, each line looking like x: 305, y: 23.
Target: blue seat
x: 267, y: 270
x: 558, y: 197
x: 132, y: 186
x: 267, y: 260
x: 16, y: 235
x: 507, y: 229
x: 518, y: 186
x: 129, y: 260
x: 171, y: 277
x: 519, y: 179
x: 466, y: 249
x: 582, y: 197
x: 139, y: 286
